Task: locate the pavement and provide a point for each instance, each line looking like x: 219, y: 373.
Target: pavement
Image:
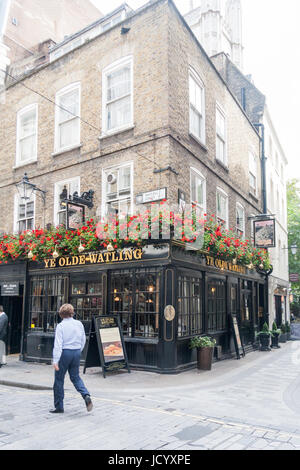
x: 253, y: 403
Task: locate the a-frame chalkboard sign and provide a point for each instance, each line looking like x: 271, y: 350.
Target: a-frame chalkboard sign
x: 239, y: 347
x: 106, y: 347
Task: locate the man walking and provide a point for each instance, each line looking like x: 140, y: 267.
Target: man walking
x: 3, y: 333
x: 69, y: 342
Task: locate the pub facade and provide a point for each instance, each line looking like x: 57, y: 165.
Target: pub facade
x: 146, y: 116
x: 136, y: 285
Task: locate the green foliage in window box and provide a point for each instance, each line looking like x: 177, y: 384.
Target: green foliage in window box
x: 265, y: 331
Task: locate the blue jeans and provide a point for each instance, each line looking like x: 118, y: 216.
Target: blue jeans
x: 69, y: 361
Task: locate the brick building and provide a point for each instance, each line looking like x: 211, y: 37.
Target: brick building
x: 146, y: 110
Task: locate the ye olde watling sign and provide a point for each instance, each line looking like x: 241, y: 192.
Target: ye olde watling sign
x: 95, y: 258
x: 221, y: 264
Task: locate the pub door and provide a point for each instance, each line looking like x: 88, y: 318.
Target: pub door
x: 246, y: 318
x: 13, y: 309
x: 278, y: 310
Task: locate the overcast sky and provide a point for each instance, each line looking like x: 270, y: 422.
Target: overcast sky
x: 271, y: 55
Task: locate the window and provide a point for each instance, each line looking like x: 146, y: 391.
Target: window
x: 240, y: 220
x: 24, y: 214
x: 253, y: 173
x: 27, y: 134
x: 87, y: 298
x: 222, y: 208
x: 118, y: 189
x: 117, y: 110
x: 221, y: 136
x: 190, y: 318
x: 197, y: 107
x: 216, y: 306
x: 134, y: 296
x: 62, y: 191
x: 47, y: 294
x: 198, y: 190
x: 67, y: 118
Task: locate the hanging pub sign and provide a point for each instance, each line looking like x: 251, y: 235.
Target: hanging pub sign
x: 264, y: 233
x: 106, y: 347
x: 75, y: 216
x: 239, y: 347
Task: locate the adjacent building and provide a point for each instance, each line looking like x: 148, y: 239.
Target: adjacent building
x: 128, y: 106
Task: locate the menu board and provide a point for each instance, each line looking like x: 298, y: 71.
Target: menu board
x: 106, y: 347
x: 239, y: 347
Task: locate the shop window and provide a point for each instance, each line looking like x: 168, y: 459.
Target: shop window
x: 134, y: 297
x: 216, y: 306
x: 47, y: 295
x: 190, y: 321
x: 87, y: 300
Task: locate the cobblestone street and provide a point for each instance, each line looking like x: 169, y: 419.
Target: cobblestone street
x: 249, y: 404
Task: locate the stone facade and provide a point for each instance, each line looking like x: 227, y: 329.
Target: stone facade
x: 163, y: 50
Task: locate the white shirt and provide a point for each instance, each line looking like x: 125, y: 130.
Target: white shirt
x: 69, y: 334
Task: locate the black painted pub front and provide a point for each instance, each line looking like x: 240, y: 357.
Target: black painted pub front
x: 137, y: 284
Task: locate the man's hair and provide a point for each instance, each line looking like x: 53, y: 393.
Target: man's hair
x: 1, y: 308
x: 66, y: 311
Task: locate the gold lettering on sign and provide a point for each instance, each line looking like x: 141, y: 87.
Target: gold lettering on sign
x: 102, y: 258
x: 225, y: 265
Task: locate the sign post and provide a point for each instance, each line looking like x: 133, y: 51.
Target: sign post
x: 239, y: 347
x: 106, y: 347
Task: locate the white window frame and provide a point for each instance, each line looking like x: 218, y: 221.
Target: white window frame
x: 20, y: 114
x: 224, y: 194
x: 56, y: 196
x: 197, y: 174
x: 121, y: 63
x: 197, y: 80
x: 221, y: 137
x: 105, y: 171
x: 252, y: 154
x: 17, y: 202
x: 59, y: 94
x: 241, y: 228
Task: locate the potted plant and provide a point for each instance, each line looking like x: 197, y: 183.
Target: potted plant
x: 205, y: 348
x: 283, y: 336
x: 275, y: 333
x: 288, y: 330
x: 264, y: 338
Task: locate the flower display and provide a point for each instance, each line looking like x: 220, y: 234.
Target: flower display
x: 157, y: 223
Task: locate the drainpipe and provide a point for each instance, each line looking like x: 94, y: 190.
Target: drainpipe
x: 265, y: 208
x: 263, y: 167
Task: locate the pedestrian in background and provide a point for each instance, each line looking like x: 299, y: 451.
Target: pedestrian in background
x: 68, y: 344
x: 3, y: 333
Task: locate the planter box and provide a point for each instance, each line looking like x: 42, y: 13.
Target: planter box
x: 264, y: 341
x: 204, y: 358
x: 275, y: 340
x: 283, y: 338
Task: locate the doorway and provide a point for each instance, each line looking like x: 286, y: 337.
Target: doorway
x: 13, y: 306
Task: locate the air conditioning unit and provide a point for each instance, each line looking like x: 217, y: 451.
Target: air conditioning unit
x: 111, y: 178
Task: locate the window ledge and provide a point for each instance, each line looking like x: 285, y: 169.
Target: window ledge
x: 116, y: 131
x: 29, y: 162
x: 66, y: 149
x: 223, y: 165
x: 199, y: 141
x: 253, y: 196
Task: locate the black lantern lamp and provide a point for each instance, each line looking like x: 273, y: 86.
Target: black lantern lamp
x: 26, y: 189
